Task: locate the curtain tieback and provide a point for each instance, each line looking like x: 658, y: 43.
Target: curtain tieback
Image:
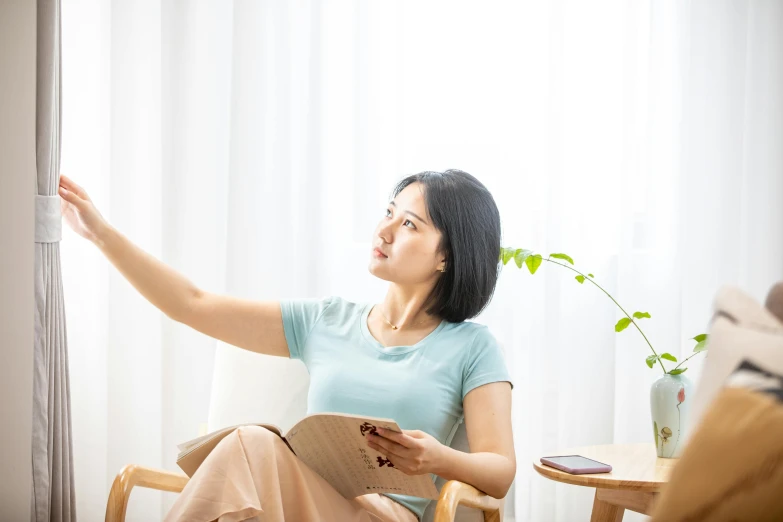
x: 48, y: 219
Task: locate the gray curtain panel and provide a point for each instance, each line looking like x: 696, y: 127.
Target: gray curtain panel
x: 53, y: 497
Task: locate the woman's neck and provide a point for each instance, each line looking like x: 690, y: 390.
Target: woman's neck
x: 404, y: 308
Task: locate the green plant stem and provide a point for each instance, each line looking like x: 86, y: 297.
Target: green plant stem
x: 618, y: 305
x: 686, y: 359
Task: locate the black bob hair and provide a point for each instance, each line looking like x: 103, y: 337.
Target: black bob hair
x: 464, y: 211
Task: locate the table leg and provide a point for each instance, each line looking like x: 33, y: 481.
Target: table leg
x: 610, y: 504
x: 604, y: 511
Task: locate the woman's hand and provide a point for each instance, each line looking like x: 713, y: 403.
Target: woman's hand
x: 78, y: 210
x: 413, y: 452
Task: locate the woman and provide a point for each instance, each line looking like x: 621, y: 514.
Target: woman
x: 413, y: 357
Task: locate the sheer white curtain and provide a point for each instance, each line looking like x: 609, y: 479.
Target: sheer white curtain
x: 252, y: 146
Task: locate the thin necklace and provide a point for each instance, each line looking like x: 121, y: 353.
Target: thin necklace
x: 393, y: 327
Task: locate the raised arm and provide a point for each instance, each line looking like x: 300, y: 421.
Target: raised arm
x: 252, y: 325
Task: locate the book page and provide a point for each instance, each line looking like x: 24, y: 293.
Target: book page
x: 334, y: 446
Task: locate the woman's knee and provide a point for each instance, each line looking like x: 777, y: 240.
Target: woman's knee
x: 257, y: 433
x: 256, y: 438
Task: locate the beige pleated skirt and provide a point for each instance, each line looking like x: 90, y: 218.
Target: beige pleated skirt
x: 253, y: 475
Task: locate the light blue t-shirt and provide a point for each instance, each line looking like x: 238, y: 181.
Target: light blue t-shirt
x: 420, y: 386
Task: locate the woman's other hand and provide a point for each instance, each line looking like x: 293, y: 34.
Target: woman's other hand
x: 413, y: 452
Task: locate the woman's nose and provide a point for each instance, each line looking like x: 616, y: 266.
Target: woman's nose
x: 385, y: 230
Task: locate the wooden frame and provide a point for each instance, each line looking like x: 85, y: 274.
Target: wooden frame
x: 452, y: 494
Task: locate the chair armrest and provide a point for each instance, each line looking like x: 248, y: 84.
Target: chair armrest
x: 133, y: 475
x: 454, y: 493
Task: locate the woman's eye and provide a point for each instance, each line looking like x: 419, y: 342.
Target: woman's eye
x: 406, y: 221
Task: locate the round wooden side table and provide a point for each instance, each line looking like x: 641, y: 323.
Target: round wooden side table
x: 636, y: 478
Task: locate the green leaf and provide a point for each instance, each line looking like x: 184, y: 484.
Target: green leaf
x: 590, y: 275
x: 562, y: 256
x: 533, y: 262
x: 655, y: 428
x: 520, y: 255
x: 701, y: 342
x: 641, y: 315
x: 678, y: 371
x: 651, y: 360
x: 622, y: 324
x: 669, y: 357
x: 506, y: 254
x: 580, y: 278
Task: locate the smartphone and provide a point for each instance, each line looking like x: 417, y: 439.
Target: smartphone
x: 576, y: 464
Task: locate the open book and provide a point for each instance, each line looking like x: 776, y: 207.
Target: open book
x: 333, y: 445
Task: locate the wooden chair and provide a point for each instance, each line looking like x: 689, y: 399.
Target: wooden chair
x: 237, y: 375
x: 452, y: 494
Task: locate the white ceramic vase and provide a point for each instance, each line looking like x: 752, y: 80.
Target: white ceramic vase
x: 670, y: 399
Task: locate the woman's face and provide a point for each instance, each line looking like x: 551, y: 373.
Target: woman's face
x: 409, y: 240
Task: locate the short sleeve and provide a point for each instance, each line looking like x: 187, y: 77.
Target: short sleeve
x: 486, y: 362
x: 299, y: 318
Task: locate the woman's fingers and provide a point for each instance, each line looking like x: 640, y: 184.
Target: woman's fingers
x: 69, y: 184
x: 65, y: 180
x: 69, y: 196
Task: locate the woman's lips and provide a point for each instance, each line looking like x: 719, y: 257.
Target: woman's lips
x: 378, y: 253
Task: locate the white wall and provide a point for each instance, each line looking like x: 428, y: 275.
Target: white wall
x: 17, y: 175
